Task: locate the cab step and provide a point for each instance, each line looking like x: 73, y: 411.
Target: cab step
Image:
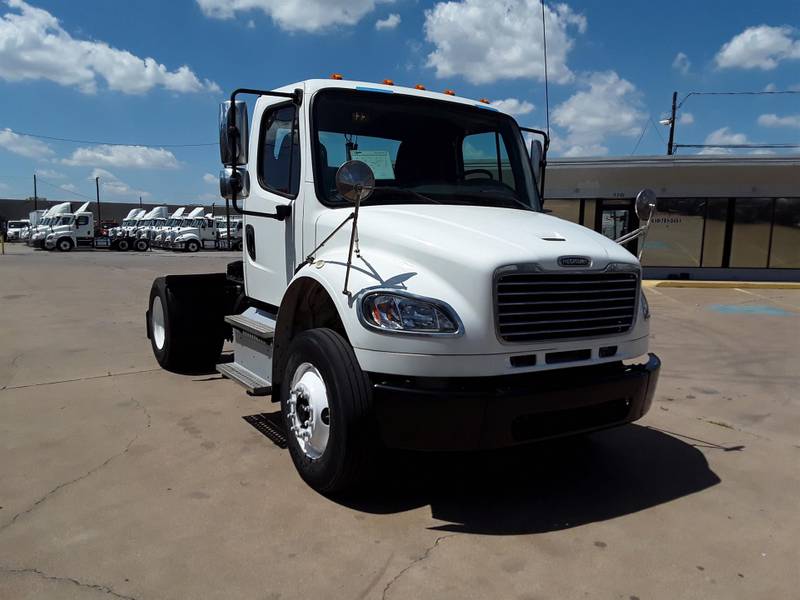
x: 255, y: 385
x: 262, y: 326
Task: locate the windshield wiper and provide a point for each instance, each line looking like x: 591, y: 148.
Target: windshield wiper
x: 393, y: 188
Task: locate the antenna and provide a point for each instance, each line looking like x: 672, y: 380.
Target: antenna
x: 546, y: 86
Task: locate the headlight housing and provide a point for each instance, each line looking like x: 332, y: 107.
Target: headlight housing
x: 394, y: 312
x: 645, y: 307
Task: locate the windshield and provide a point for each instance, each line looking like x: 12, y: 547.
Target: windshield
x: 422, y: 150
x: 16, y: 225
x: 65, y: 220
x: 198, y: 222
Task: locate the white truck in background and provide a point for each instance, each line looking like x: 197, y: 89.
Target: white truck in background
x: 202, y: 232
x: 236, y: 235
x: 393, y: 294
x: 166, y: 227
x: 49, y: 219
x: 124, y: 234
x: 72, y: 230
x: 15, y: 229
x: 183, y: 224
x: 142, y: 233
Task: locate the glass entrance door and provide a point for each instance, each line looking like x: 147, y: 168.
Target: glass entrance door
x: 615, y: 218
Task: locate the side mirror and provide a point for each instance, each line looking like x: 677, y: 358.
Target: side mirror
x: 537, y: 152
x: 234, y: 179
x: 233, y: 133
x: 355, y: 181
x: 645, y: 205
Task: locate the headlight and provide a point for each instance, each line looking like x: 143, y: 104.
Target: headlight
x: 645, y: 307
x: 408, y: 314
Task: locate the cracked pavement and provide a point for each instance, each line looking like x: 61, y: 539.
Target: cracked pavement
x: 121, y: 480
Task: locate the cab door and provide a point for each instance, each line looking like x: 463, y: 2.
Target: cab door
x: 275, y: 171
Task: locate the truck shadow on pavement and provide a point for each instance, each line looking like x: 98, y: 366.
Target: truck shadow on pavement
x: 545, y: 487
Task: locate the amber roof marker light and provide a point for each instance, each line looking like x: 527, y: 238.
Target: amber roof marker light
x: 388, y: 81
x: 450, y: 92
x: 337, y: 76
x: 419, y: 86
x: 484, y: 101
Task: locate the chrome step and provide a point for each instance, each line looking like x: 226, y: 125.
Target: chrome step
x: 264, y: 327
x: 254, y: 384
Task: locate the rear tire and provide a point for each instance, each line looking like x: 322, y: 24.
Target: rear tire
x: 346, y: 457
x: 185, y: 333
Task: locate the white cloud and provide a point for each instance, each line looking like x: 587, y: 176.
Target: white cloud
x: 761, y: 47
x: 610, y: 106
x: 486, y: 41
x: 251, y: 24
x: 50, y: 173
x: 773, y: 120
x: 129, y: 157
x: 770, y: 87
x: 111, y: 184
x: 723, y: 136
x: 70, y: 187
x: 33, y: 45
x: 513, y: 106
x: 210, y: 179
x: 686, y: 119
x: 24, y: 145
x: 295, y: 15
x: 681, y: 63
x: 390, y: 22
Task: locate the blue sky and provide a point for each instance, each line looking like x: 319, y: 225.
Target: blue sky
x: 151, y: 72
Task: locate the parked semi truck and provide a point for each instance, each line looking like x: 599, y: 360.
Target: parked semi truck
x: 15, y: 229
x: 392, y: 294
x: 183, y: 224
x: 72, y: 230
x: 164, y: 228
x: 49, y: 219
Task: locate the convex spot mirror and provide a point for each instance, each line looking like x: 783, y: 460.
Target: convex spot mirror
x: 234, y: 182
x: 233, y: 133
x: 355, y: 181
x: 645, y: 204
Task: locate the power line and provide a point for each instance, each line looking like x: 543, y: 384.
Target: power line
x: 641, y: 135
x: 75, y: 141
x: 63, y: 189
x: 737, y: 145
x: 761, y: 93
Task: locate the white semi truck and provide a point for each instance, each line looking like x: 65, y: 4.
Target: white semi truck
x: 72, y: 230
x: 202, y: 232
x: 392, y: 294
x: 182, y: 224
x: 124, y: 235
x: 15, y: 229
x: 48, y: 220
x: 164, y: 228
x: 145, y: 230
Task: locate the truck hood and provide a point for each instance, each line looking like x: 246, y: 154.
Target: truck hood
x: 474, y: 236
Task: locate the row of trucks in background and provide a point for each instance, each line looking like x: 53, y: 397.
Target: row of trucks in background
x: 59, y: 228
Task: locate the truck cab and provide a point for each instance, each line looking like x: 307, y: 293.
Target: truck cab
x: 72, y: 230
x: 235, y: 232
x: 182, y: 225
x: 49, y: 219
x: 164, y: 227
x: 15, y: 229
x: 144, y: 231
x: 125, y: 235
x: 401, y: 286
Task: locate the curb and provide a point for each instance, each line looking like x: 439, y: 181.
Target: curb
x: 747, y: 285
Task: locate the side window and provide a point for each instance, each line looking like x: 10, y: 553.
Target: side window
x: 485, y: 157
x: 279, y: 151
x: 83, y: 220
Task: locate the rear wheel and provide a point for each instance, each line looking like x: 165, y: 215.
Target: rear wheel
x: 327, y: 404
x: 186, y: 334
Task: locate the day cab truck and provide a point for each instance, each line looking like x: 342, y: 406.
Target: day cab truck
x: 15, y: 229
x: 49, y: 219
x: 392, y: 294
x: 182, y: 225
x: 72, y: 230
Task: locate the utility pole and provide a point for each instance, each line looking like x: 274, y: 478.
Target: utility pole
x: 140, y: 202
x: 670, y: 145
x: 35, y: 195
x: 97, y: 189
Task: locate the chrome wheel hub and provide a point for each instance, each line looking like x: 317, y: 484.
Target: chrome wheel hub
x: 308, y: 410
x: 157, y: 327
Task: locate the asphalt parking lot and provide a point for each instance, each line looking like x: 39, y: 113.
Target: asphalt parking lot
x: 119, y: 479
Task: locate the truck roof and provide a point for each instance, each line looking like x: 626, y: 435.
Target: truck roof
x: 314, y: 85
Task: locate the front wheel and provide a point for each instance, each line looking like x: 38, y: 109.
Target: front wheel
x: 192, y: 246
x: 123, y: 245
x: 327, y: 404
x: 64, y: 245
x: 141, y: 245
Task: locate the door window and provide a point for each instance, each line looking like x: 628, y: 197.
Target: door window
x: 279, y: 151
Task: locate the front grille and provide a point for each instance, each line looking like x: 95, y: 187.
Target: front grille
x: 535, y: 306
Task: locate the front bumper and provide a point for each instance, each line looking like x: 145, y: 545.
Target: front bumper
x: 470, y: 413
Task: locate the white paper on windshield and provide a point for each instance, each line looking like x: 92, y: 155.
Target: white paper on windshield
x: 378, y: 160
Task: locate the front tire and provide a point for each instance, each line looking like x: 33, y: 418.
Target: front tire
x: 192, y: 246
x: 141, y: 245
x: 327, y: 406
x: 64, y: 245
x: 123, y: 245
x: 182, y: 330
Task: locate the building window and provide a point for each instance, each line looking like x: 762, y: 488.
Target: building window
x: 569, y: 210
x: 785, y: 247
x: 752, y: 220
x: 675, y: 238
x: 714, y: 232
